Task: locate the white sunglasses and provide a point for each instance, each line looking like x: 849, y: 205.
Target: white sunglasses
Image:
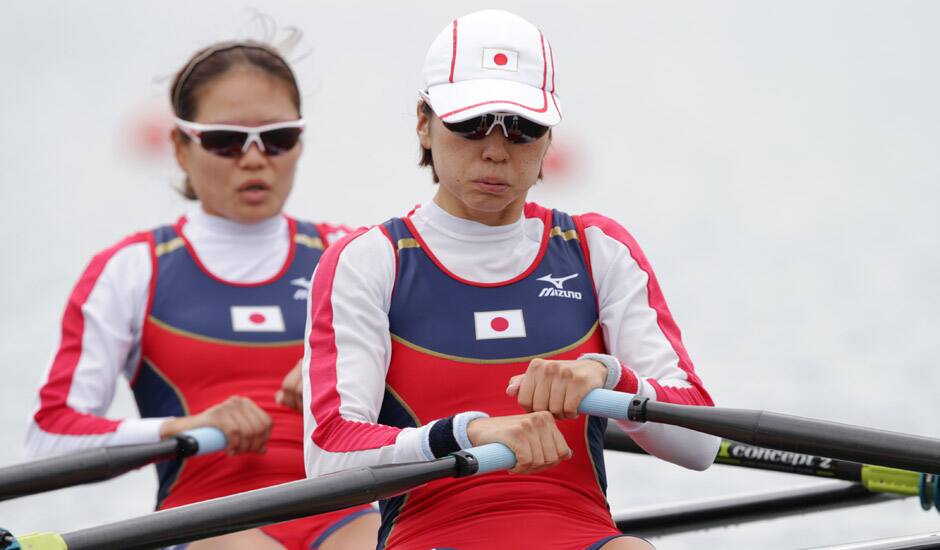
x: 229, y: 140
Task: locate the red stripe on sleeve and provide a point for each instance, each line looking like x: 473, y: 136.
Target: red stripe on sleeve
x: 54, y: 414
x: 696, y: 395
x: 333, y: 432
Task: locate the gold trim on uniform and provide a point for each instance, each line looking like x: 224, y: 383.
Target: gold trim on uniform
x: 587, y: 445
x: 211, y: 340
x: 566, y: 235
x: 169, y: 246
x: 525, y: 359
x: 404, y: 405
x: 408, y: 243
x: 308, y: 241
x: 179, y: 394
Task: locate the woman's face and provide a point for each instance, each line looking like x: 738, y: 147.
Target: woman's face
x: 483, y: 180
x: 254, y: 186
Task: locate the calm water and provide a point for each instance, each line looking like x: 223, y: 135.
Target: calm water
x: 777, y: 161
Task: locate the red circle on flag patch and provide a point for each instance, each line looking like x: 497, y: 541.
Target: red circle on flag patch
x: 256, y: 318
x: 499, y: 324
x: 500, y: 59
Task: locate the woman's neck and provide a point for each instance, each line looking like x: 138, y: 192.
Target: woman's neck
x: 219, y: 225
x: 456, y: 207
x: 463, y: 229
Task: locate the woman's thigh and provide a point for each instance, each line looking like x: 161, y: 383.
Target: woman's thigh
x: 253, y: 539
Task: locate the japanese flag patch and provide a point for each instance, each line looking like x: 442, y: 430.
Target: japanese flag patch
x: 494, y: 325
x: 503, y: 60
x: 257, y: 319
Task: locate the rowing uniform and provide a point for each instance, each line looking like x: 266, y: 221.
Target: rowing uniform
x: 416, y: 327
x: 190, y: 314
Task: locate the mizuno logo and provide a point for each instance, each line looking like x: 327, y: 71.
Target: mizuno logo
x: 559, y: 290
x: 302, y: 292
x: 559, y: 282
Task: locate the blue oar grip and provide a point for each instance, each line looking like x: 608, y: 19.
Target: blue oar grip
x: 606, y: 404
x: 209, y: 439
x: 493, y: 457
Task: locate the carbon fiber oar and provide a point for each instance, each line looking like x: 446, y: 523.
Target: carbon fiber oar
x: 877, y: 479
x: 797, y: 434
x: 102, y: 463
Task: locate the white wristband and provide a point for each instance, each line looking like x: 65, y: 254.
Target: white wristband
x: 461, y: 421
x: 612, y: 364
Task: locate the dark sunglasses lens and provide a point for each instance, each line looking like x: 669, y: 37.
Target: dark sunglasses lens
x: 225, y: 143
x: 526, y: 131
x: 282, y: 140
x: 520, y: 130
x: 474, y: 128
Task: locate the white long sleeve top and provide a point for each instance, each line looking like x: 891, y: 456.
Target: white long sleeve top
x: 349, y: 307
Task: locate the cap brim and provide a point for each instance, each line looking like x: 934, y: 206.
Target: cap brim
x: 458, y: 101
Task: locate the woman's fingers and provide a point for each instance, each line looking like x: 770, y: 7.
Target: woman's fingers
x: 242, y: 418
x: 533, y: 437
x: 291, y: 394
x: 546, y: 441
x: 246, y: 427
x: 564, y: 451
x: 557, y: 386
x: 512, y: 390
x: 256, y: 426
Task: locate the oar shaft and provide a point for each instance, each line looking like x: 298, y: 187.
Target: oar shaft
x: 800, y: 435
x: 263, y: 506
x: 102, y: 463
x: 82, y: 467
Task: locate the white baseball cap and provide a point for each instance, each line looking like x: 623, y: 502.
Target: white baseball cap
x: 491, y: 61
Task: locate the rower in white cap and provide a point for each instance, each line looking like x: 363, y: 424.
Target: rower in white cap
x: 480, y: 318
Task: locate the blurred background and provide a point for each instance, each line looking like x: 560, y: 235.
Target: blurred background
x: 776, y: 160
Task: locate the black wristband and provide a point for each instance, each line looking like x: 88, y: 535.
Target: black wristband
x: 441, y: 438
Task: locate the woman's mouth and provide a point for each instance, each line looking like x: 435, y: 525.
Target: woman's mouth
x: 491, y: 185
x: 254, y: 191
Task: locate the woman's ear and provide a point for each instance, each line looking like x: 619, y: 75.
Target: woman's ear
x: 180, y: 149
x: 423, y: 128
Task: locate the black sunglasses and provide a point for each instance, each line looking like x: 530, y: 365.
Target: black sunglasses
x: 229, y: 140
x: 517, y: 129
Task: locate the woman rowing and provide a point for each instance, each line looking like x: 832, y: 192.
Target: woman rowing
x: 205, y: 317
x: 480, y: 318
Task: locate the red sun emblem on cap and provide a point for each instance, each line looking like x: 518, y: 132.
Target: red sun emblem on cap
x: 499, y: 324
x: 256, y: 318
x: 500, y: 59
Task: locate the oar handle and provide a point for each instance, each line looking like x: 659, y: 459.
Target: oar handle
x: 607, y: 404
x: 204, y: 440
x: 494, y: 457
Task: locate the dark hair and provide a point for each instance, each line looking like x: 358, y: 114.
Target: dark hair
x: 427, y: 159
x: 212, y: 62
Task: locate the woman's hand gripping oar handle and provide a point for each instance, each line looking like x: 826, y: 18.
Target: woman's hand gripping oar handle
x: 494, y: 457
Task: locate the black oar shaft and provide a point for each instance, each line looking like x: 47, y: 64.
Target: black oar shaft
x: 82, y: 467
x: 801, y: 435
x: 668, y: 519
x: 263, y: 506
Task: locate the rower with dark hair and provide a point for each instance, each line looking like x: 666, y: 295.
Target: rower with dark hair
x: 205, y: 317
x: 480, y: 318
